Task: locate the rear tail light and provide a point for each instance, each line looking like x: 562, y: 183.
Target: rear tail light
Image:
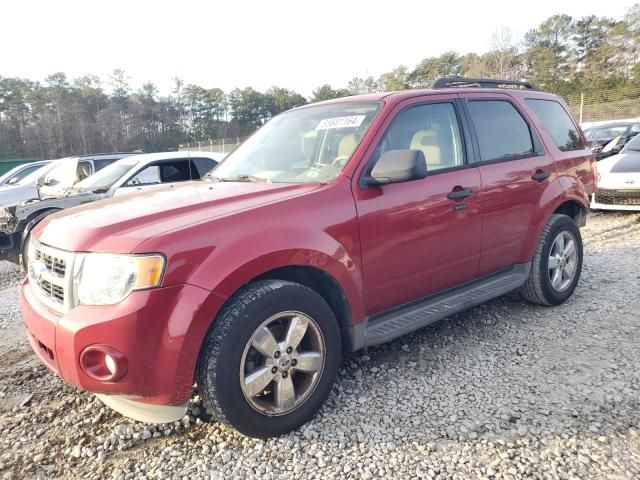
x: 103, y: 363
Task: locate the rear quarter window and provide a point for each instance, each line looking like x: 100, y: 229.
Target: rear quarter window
x: 558, y: 123
x: 201, y: 166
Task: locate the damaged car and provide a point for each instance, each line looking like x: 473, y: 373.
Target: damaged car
x: 51, y: 180
x: 132, y: 174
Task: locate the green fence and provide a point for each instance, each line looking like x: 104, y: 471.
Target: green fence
x: 6, y: 165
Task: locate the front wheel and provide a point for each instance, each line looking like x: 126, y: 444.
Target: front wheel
x: 24, y: 262
x: 557, y: 263
x: 270, y: 359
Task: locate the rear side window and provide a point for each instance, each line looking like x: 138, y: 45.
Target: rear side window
x: 100, y: 164
x: 558, y: 123
x: 200, y: 166
x: 175, y: 171
x: 502, y: 132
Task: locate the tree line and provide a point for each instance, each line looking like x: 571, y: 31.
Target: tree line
x: 60, y: 117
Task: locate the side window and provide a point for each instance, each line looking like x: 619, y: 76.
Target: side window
x: 558, y: 123
x: 100, y: 164
x: 83, y: 171
x: 147, y: 176
x: 201, y: 166
x: 175, y: 171
x: 502, y: 132
x: 431, y: 128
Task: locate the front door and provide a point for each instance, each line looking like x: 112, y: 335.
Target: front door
x: 417, y: 237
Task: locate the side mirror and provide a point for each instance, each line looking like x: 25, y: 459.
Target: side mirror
x: 41, y: 182
x: 396, y: 166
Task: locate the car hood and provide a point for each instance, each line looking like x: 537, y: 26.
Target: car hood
x: 15, y: 194
x: 120, y: 224
x: 620, y: 171
x: 625, y: 162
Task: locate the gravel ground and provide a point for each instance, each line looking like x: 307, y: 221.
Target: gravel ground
x: 506, y: 390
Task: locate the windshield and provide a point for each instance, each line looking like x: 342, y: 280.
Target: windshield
x: 634, y: 144
x: 108, y: 176
x: 606, y: 132
x: 35, y: 176
x: 18, y: 173
x: 311, y: 144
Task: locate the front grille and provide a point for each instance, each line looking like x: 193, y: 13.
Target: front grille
x: 618, y: 197
x: 50, y: 273
x: 55, y: 292
x: 56, y: 265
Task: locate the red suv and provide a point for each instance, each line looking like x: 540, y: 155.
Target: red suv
x: 336, y: 226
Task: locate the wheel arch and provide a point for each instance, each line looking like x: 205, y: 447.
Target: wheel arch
x: 35, y: 217
x: 574, y: 209
x: 567, y: 204
x: 324, y: 285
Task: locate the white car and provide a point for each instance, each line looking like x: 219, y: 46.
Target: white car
x: 147, y: 172
x: 21, y: 171
x: 618, y: 185
x: 133, y: 174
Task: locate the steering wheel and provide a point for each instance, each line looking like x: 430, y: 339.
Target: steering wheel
x: 340, y: 161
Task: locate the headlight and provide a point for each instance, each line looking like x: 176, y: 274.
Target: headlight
x: 107, y: 279
x: 5, y: 215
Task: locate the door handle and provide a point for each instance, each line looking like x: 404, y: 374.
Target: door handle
x: 459, y: 194
x: 540, y: 175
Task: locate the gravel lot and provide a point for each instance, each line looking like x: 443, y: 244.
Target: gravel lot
x: 506, y: 390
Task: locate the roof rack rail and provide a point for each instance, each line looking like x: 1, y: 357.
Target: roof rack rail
x: 453, y: 82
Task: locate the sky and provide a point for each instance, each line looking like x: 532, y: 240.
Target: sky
x: 298, y: 45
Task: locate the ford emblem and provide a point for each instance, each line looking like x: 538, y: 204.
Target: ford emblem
x: 37, y: 269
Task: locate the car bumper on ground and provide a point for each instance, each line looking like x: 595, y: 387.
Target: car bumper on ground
x: 155, y: 334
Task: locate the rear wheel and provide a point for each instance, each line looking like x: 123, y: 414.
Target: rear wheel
x: 270, y: 359
x: 557, y: 263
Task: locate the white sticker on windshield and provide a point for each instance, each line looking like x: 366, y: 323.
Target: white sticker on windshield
x: 341, y: 122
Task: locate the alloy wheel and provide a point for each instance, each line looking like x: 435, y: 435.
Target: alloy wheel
x: 563, y: 261
x: 282, y: 363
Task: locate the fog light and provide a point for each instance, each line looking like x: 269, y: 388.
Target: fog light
x: 103, y: 363
x: 110, y: 364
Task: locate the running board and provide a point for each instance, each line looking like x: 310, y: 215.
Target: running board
x: 388, y: 325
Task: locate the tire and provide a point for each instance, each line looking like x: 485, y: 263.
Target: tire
x: 228, y: 357
x: 24, y: 260
x: 543, y: 286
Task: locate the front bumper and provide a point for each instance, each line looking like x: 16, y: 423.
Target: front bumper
x: 596, y: 205
x: 160, y: 332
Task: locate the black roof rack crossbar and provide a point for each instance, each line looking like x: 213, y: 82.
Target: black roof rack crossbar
x: 452, y: 82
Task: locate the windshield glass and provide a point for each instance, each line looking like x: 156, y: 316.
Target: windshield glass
x: 606, y: 132
x: 311, y: 144
x: 633, y: 144
x: 35, y: 176
x: 109, y: 175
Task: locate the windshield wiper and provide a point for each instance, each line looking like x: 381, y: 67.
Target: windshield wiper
x: 239, y: 178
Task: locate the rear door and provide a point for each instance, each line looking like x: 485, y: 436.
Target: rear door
x: 515, y: 172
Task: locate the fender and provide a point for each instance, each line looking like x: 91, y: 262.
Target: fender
x: 35, y: 218
x: 561, y: 190
x: 318, y: 230
x: 248, y: 259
